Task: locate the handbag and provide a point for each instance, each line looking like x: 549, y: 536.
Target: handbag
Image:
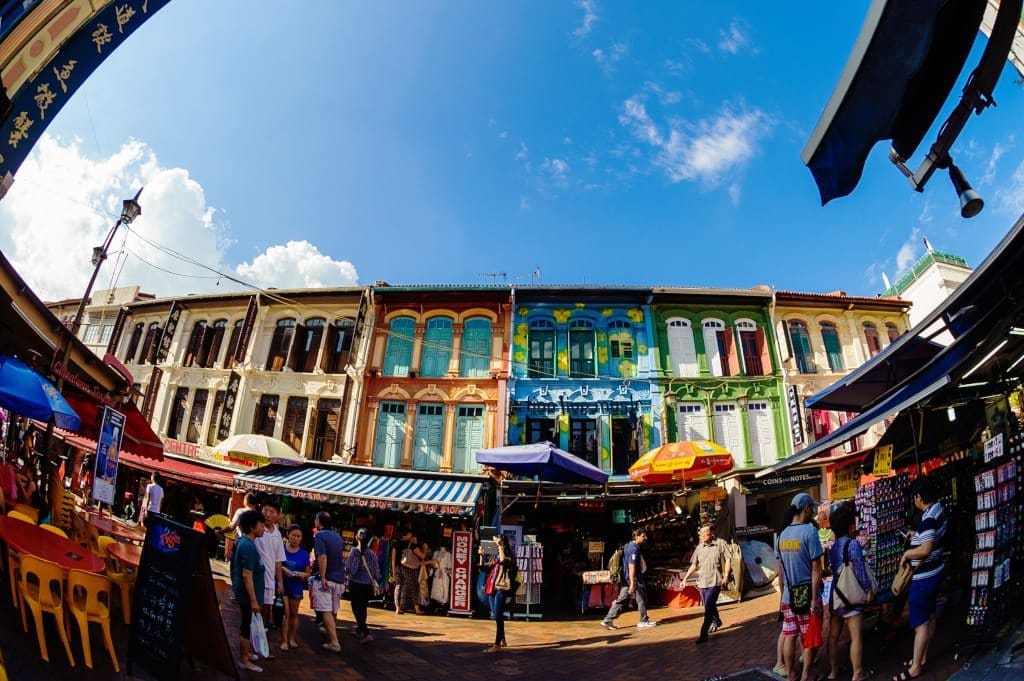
x: 410, y: 559
x: 503, y: 582
x: 377, y: 590
x: 799, y: 594
x: 904, y: 576
x: 258, y: 636
x: 847, y: 588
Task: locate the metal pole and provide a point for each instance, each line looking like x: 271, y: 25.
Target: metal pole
x: 913, y: 433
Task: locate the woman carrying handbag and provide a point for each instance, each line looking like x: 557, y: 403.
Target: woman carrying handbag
x: 499, y: 585
x: 853, y: 587
x: 364, y: 579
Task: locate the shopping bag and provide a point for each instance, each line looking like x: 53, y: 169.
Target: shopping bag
x: 258, y: 636
x: 812, y: 639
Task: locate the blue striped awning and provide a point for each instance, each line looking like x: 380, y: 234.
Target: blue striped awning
x: 447, y: 495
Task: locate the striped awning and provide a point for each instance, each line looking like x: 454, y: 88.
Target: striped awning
x: 358, y: 486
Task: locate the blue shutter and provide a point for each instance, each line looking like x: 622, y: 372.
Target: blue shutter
x: 387, y: 451
x: 437, y: 347
x: 398, y: 355
x: 469, y: 438
x: 476, y: 349
x: 428, y: 437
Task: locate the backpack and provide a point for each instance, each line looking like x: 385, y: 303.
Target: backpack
x: 615, y: 566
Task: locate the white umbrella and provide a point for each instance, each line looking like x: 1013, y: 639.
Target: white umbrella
x: 254, y: 447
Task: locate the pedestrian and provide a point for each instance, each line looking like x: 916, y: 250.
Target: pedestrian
x: 843, y: 523
x: 632, y: 585
x: 799, y: 555
x: 499, y: 585
x: 153, y: 498
x: 271, y: 548
x: 364, y: 576
x: 407, y: 597
x: 247, y: 576
x: 248, y: 504
x: 328, y: 582
x: 397, y: 549
x: 296, y: 570
x: 925, y: 556
x: 712, y: 561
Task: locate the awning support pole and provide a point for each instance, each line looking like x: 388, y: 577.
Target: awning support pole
x: 913, y: 432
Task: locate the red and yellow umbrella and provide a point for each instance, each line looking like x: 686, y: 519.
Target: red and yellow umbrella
x: 681, y: 461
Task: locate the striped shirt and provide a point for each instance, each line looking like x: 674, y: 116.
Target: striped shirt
x: 932, y: 528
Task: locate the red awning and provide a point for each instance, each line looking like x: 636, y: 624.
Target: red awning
x: 139, y: 438
x: 183, y: 471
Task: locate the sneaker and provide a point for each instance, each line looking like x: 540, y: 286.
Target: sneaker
x: 713, y: 628
x: 366, y: 639
x: 492, y: 649
x: 610, y: 626
x: 646, y: 625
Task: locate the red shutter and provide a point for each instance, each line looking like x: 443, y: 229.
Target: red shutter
x: 762, y: 347
x: 731, y: 361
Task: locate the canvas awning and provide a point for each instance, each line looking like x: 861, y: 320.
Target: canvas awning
x: 183, y: 471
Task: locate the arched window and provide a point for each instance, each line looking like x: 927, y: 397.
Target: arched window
x: 339, y: 346
x: 541, y: 360
x: 232, y: 350
x: 280, y: 344
x: 719, y: 348
x: 834, y: 350
x: 581, y: 349
x: 133, y: 343
x: 210, y: 350
x: 621, y: 349
x: 398, y: 353
x: 753, y: 348
x: 800, y: 341
x: 308, y: 337
x: 681, y: 351
x: 152, y: 344
x: 195, y: 342
x: 892, y: 331
x: 437, y: 347
x: 476, y: 348
x: 871, y: 338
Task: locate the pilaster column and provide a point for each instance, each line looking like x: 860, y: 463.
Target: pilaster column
x: 410, y: 430
x: 366, y: 456
x: 455, y: 359
x: 448, y: 448
x: 490, y: 418
x: 417, y: 349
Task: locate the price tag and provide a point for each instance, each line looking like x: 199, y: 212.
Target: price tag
x: 845, y: 481
x: 883, y: 460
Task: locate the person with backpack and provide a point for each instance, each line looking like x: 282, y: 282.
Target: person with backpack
x: 712, y: 561
x: 631, y: 582
x: 799, y: 553
x: 848, y: 599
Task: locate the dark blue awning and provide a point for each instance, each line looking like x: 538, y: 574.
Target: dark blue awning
x: 543, y: 461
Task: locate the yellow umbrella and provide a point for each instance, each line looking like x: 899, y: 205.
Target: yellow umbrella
x: 681, y: 461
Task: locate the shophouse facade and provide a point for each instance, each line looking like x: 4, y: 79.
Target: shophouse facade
x: 436, y: 374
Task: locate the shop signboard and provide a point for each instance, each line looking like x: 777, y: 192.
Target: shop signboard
x: 247, y: 328
x: 883, y: 460
x: 994, y: 448
x: 713, y: 494
x: 462, y: 573
x: 149, y: 399
x: 796, y: 422
x: 845, y: 481
x: 782, y: 482
x: 173, y: 315
x: 108, y: 449
x: 115, y: 333
x: 228, y: 411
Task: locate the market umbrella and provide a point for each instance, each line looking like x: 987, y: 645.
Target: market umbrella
x: 681, y: 461
x: 24, y: 391
x: 255, y: 447
x: 542, y: 461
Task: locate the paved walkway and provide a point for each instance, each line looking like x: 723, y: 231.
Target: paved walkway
x: 418, y: 647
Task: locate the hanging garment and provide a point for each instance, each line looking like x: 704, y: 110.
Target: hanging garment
x: 423, y: 596
x: 441, y: 587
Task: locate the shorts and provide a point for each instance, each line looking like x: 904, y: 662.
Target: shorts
x: 269, y: 595
x: 792, y: 623
x: 326, y: 601
x: 245, y: 620
x: 923, y: 596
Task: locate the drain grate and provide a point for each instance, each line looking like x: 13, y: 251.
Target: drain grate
x: 748, y: 675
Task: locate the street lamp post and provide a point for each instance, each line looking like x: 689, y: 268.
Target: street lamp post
x: 130, y: 209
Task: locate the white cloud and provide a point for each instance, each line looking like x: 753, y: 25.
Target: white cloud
x: 297, y: 264
x: 733, y: 40
x: 63, y: 203
x: 567, y: 140
x: 557, y: 168
x: 993, y: 160
x: 589, y: 8
x: 503, y: 134
x: 608, y: 58
x: 715, y: 148
x: 666, y: 97
x: 524, y: 203
x: 1010, y: 195
x: 907, y: 255
x: 735, y: 192
x: 523, y: 152
x: 635, y: 117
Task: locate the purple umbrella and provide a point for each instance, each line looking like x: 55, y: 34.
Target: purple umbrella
x: 542, y: 461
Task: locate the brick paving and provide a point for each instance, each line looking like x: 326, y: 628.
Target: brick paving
x: 415, y: 647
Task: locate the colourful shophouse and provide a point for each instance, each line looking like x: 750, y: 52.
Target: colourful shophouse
x: 434, y: 391
x: 717, y: 371
x: 581, y: 369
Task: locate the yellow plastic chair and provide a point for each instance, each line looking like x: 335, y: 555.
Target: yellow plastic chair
x: 56, y: 530
x: 42, y: 590
x: 27, y: 510
x: 219, y: 522
x: 89, y: 601
x: 18, y: 515
x: 94, y: 539
x: 120, y: 577
x: 14, y: 572
x: 102, y: 542
x: 3, y: 668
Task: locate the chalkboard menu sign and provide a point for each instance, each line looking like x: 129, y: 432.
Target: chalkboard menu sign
x: 173, y: 588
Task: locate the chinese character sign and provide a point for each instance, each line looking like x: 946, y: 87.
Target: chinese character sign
x: 462, y: 572
x: 108, y: 450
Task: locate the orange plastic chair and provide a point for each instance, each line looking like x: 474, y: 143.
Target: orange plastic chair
x: 42, y: 590
x: 89, y: 601
x: 124, y: 580
x: 14, y: 572
x: 94, y: 540
x: 27, y: 510
x: 18, y: 515
x: 56, y: 530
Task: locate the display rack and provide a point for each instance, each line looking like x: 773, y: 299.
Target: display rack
x: 881, y: 506
x: 995, y: 524
x: 530, y: 563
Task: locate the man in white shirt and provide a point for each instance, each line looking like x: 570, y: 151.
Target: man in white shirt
x: 271, y: 549
x: 153, y: 498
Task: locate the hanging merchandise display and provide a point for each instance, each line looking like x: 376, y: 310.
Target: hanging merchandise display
x: 530, y: 563
x: 995, y: 528
x: 881, y: 507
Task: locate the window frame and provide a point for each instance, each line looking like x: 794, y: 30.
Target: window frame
x: 436, y: 356
x: 281, y: 344
x: 399, y: 342
x: 693, y: 365
x: 835, y: 358
x: 582, y: 332
x: 541, y: 330
x: 804, y: 360
x: 476, y: 363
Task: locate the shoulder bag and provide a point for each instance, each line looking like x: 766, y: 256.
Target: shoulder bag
x: 904, y: 576
x: 502, y: 580
x: 845, y: 585
x: 799, y: 594
x: 377, y: 590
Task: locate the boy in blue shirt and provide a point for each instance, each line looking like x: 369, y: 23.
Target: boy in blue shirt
x: 247, y: 577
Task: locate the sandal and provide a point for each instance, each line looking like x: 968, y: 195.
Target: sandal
x: 332, y: 647
x: 905, y: 675
x: 866, y: 674
x: 907, y: 664
x: 284, y: 648
x: 779, y: 671
x: 251, y: 667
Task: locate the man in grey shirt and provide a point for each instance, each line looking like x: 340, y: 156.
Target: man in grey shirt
x: 712, y: 561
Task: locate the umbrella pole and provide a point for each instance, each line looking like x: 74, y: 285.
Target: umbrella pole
x: 44, y: 474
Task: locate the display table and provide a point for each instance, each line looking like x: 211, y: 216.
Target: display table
x: 32, y: 540
x: 598, y: 590
x: 126, y: 554
x: 117, y: 529
x: 676, y: 594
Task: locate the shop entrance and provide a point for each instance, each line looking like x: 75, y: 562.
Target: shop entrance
x: 583, y: 439
x: 624, y: 445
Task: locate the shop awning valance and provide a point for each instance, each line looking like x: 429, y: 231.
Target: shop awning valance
x: 357, y: 486
x: 182, y: 471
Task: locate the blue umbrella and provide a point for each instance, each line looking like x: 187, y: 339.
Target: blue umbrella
x: 25, y: 392
x: 542, y: 461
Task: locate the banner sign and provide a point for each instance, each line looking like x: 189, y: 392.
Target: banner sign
x: 845, y: 481
x: 796, y: 421
x: 117, y: 331
x: 108, y: 449
x: 246, y: 331
x: 168, y: 333
x: 883, y: 460
x: 994, y: 448
x: 37, y: 100
x: 462, y: 573
x: 149, y: 399
x: 782, y: 482
x: 227, y: 412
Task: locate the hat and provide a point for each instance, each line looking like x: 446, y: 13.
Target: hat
x: 803, y: 500
x: 363, y: 534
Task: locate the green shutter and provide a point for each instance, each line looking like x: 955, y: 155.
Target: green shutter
x: 428, y: 437
x: 437, y: 347
x: 469, y: 437
x: 387, y: 451
x: 476, y: 349
x: 398, y: 355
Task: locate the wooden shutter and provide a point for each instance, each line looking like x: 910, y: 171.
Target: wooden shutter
x: 731, y: 360
x: 782, y: 339
x: 714, y: 359
x: 692, y: 422
x: 681, y: 348
x: 762, y: 346
x: 398, y: 354
x: 469, y: 437
x: 295, y: 421
x: 428, y: 437
x: 761, y: 430
x: 387, y: 450
x: 329, y: 358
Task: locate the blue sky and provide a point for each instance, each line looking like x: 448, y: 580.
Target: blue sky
x: 423, y: 142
